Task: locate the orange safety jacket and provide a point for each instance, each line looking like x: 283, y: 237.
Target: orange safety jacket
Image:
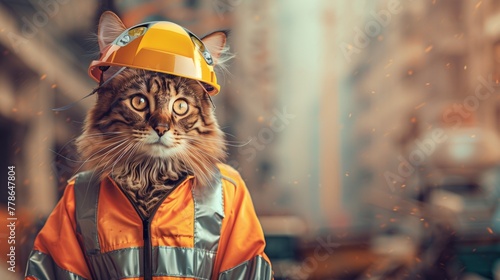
x: 95, y: 232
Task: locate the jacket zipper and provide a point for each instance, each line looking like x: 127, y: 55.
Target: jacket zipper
x: 146, y: 230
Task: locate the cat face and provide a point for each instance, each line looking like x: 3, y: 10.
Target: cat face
x: 151, y: 126
x: 152, y: 120
x: 162, y: 113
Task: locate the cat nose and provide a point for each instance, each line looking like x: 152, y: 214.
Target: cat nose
x: 161, y: 129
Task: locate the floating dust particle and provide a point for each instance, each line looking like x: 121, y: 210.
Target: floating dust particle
x: 478, y: 5
x: 43, y: 77
x: 429, y: 48
x: 380, y: 38
x: 387, y: 75
x: 427, y: 84
x: 489, y: 230
x: 413, y: 120
x: 350, y: 115
x: 256, y: 17
x: 39, y: 113
x: 347, y: 174
x: 54, y: 86
x: 473, y: 136
x: 14, y: 110
x: 420, y: 105
x: 410, y: 72
x: 260, y: 119
x: 389, y: 63
x: 465, y: 67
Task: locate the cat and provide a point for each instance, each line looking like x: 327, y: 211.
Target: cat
x: 122, y: 137
x: 156, y: 201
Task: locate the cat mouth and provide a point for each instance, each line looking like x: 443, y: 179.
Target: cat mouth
x: 161, y: 143
x: 161, y: 149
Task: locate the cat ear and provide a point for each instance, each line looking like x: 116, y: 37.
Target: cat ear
x: 110, y: 27
x: 216, y: 44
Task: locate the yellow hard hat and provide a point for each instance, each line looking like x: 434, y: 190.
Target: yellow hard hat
x: 160, y: 46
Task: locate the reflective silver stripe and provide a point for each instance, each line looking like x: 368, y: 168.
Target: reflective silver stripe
x: 183, y: 262
x: 167, y: 261
x: 256, y: 269
x: 124, y: 263
x: 87, y: 186
x: 208, y: 214
x: 42, y: 266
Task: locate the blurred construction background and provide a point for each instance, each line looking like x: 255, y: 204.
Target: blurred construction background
x: 367, y: 131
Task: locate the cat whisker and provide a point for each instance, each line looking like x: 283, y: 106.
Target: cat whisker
x: 107, y: 153
x: 117, y: 156
x: 124, y: 152
x: 72, y: 141
x: 137, y: 147
x: 227, y: 143
x: 92, y: 158
x: 69, y: 159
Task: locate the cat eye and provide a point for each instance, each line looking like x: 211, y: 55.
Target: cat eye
x: 139, y: 102
x: 181, y: 107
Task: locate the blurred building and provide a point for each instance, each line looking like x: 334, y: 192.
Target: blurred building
x: 410, y: 68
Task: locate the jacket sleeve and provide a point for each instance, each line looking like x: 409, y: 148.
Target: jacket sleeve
x: 241, y: 252
x: 56, y: 253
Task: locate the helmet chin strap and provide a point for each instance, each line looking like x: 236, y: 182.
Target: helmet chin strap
x: 101, y: 84
x: 206, y: 92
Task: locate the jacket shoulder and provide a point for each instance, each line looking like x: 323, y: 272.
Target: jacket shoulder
x: 229, y: 174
